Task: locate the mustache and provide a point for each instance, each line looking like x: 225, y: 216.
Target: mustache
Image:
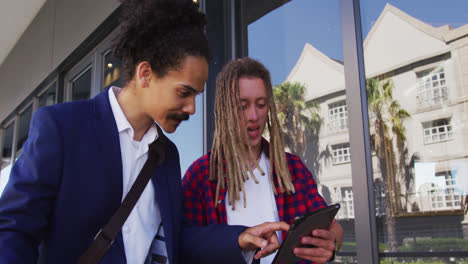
x: 178, y: 117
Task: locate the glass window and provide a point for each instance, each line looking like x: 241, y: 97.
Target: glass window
x: 437, y: 131
x: 7, y: 142
x: 432, y: 89
x: 300, y: 43
x: 23, y: 128
x: 48, y: 96
x: 347, y: 203
x: 81, y: 86
x: 341, y: 153
x: 443, y: 196
x: 112, y: 69
x: 338, y: 115
x: 4, y: 176
x: 189, y: 136
x: 414, y: 62
x: 380, y: 198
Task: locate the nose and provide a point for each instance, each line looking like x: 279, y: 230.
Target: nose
x: 251, y: 114
x: 189, y: 106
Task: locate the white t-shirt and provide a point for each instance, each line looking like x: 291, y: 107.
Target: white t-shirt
x: 261, y: 204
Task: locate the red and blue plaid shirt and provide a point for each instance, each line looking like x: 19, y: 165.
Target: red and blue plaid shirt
x: 199, y: 193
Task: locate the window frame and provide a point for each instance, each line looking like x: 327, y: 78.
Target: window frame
x: 18, y: 117
x: 338, y: 105
x: 104, y: 48
x: 342, y: 148
x: 347, y: 200
x: 101, y: 86
x: 424, y: 78
x: 53, y: 83
x: 4, y: 160
x: 441, y: 192
x: 448, y: 131
x: 73, y: 75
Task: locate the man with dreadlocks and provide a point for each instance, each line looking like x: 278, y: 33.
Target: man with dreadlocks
x: 244, y: 179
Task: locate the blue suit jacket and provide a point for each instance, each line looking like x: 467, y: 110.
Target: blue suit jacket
x: 67, y: 183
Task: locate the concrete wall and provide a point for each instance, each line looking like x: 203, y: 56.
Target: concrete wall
x: 58, y: 29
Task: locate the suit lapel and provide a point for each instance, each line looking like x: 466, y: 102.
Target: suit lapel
x: 108, y: 144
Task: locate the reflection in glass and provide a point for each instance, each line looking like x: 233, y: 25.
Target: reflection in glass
x: 81, y: 86
x: 23, y: 128
x: 4, y: 176
x: 338, y: 115
x: 432, y: 90
x: 299, y: 41
x: 112, y: 68
x: 414, y: 66
x: 48, y: 96
x: 7, y: 141
x: 341, y: 153
x: 437, y: 131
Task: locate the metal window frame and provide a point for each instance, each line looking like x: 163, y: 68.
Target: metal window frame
x: 53, y: 83
x: 81, y: 68
x: 13, y: 141
x: 220, y: 29
x: 359, y: 136
x: 18, y: 117
x: 101, y: 50
x: 100, y: 69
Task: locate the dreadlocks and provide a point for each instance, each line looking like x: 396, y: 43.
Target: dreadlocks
x: 228, y: 143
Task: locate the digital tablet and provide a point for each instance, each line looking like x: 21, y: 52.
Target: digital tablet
x: 303, y: 226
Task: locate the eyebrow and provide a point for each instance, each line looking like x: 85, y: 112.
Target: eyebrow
x: 195, y: 91
x: 256, y: 100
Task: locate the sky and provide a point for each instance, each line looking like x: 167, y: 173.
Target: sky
x: 277, y: 39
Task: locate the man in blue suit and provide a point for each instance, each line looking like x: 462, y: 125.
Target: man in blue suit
x: 81, y: 158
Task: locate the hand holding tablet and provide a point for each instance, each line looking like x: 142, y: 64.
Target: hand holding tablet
x: 303, y: 226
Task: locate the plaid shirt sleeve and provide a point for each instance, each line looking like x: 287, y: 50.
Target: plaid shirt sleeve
x: 306, y: 198
x: 314, y: 200
x: 192, y: 185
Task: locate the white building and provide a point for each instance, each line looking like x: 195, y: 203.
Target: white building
x: 429, y: 69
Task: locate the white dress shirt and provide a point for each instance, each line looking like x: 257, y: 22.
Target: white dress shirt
x: 261, y: 205
x: 141, y: 226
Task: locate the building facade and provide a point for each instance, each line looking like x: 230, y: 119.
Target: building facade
x: 430, y: 84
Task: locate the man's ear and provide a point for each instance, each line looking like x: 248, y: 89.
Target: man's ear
x: 143, y: 74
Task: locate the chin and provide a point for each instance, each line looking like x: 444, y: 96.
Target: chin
x: 255, y: 142
x: 168, y: 128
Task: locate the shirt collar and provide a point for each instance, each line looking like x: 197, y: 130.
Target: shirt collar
x: 266, y: 147
x: 122, y: 121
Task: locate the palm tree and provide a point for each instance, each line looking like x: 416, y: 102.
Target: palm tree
x: 300, y: 121
x: 385, y: 112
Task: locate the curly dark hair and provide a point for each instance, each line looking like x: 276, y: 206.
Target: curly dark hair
x: 162, y: 32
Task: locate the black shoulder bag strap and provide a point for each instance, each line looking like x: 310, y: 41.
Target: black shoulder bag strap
x: 106, y: 236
